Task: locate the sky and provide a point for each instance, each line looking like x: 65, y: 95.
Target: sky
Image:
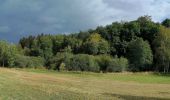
x: 20, y: 18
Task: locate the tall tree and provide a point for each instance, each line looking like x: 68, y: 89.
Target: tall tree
x: 73, y: 42
x: 58, y: 43
x: 148, y: 29
x: 162, y: 49
x: 7, y: 54
x: 139, y: 55
x: 95, y: 44
x: 45, y: 44
x: 130, y: 30
x: 166, y: 23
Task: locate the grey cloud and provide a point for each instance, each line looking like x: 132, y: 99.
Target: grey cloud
x: 4, y: 29
x: 131, y: 9
x: 24, y: 17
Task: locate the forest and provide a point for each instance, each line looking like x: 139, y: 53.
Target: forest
x: 136, y: 46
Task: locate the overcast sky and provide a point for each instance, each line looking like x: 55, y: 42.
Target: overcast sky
x: 23, y: 17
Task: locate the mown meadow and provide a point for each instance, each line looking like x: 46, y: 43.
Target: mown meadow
x: 32, y: 84
x: 123, y: 60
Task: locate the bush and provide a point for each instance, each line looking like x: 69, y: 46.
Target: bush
x: 82, y: 62
x: 21, y: 61
x: 56, y: 61
x: 37, y: 62
x: 7, y: 54
x: 110, y: 64
x: 103, y: 61
x: 28, y: 62
x: 62, y: 67
x: 117, y: 65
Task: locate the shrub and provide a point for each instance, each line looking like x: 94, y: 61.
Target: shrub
x: 117, y: 65
x: 103, y: 61
x: 7, y: 54
x: 110, y: 64
x: 37, y: 62
x: 82, y: 62
x: 29, y: 62
x: 21, y: 61
x: 85, y: 62
x: 55, y: 62
x: 62, y: 67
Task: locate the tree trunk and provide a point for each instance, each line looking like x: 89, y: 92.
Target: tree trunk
x: 168, y: 68
x: 164, y: 65
x: 3, y: 63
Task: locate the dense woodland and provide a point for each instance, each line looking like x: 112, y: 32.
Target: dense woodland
x: 139, y: 45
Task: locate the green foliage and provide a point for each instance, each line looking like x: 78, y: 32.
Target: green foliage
x: 82, y: 62
x: 67, y: 49
x: 110, y: 64
x: 166, y: 23
x: 122, y: 48
x: 118, y: 39
x: 58, y: 43
x: 73, y: 42
x: 62, y: 67
x: 162, y: 50
x: 130, y: 30
x: 103, y: 47
x: 45, y: 44
x: 56, y: 61
x: 34, y: 50
x: 95, y: 44
x: 37, y: 62
x: 148, y: 29
x: 28, y: 62
x: 103, y: 61
x: 7, y: 54
x: 27, y: 42
x: 83, y: 35
x: 117, y: 65
x: 139, y: 55
x: 91, y: 48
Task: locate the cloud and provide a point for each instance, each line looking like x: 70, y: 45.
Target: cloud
x: 19, y: 18
x: 4, y: 29
x: 131, y: 9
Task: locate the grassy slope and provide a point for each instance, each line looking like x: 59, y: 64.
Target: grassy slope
x: 48, y: 85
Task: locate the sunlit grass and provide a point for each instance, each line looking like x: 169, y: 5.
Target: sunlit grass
x: 31, y: 84
x: 145, y: 77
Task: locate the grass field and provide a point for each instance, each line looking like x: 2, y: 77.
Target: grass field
x: 29, y: 84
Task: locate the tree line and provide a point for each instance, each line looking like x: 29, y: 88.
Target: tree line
x: 139, y: 45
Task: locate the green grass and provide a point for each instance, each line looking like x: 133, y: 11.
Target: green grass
x: 148, y: 77
x: 31, y: 84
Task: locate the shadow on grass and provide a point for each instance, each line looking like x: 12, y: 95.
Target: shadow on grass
x: 130, y: 97
x: 162, y: 74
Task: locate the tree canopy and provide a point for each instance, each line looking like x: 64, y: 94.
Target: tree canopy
x: 138, y: 45
x: 139, y: 55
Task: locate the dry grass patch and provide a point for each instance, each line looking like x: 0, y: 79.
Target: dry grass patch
x: 32, y: 85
